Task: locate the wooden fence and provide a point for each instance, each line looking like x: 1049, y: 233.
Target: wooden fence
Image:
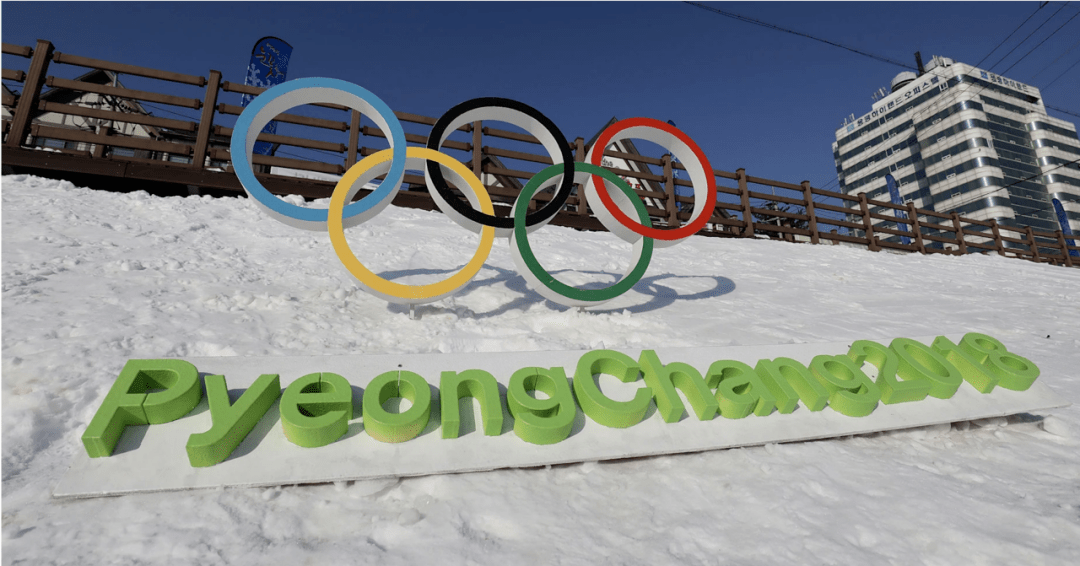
x: 194, y: 153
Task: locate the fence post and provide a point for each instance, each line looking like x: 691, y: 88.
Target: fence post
x: 579, y: 157
x: 959, y: 233
x: 810, y: 213
x: 478, y: 150
x: 206, y: 120
x: 35, y: 78
x: 999, y: 246
x: 868, y: 227
x: 1064, y: 248
x: 354, y: 139
x: 670, y: 205
x: 99, y: 148
x: 916, y: 228
x: 1035, y: 256
x: 744, y: 192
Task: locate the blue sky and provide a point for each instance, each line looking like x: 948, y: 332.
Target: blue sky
x: 751, y: 97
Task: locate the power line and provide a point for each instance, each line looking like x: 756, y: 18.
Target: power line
x: 949, y: 99
x: 169, y: 111
x: 963, y: 87
x: 798, y: 33
x: 1028, y: 36
x: 827, y: 185
x: 1062, y: 110
x: 832, y: 179
x: 1042, y: 173
x: 1041, y: 42
x: 1055, y: 80
x: 1010, y: 35
x: 1066, y: 52
x: 953, y: 95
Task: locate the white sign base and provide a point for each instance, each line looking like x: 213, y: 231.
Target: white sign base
x: 153, y: 458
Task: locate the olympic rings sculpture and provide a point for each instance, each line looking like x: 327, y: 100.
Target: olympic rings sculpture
x: 614, y: 202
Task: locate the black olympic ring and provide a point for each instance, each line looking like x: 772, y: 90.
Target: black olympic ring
x: 538, y: 216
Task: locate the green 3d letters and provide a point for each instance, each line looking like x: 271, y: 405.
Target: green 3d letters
x: 985, y: 363
x: 789, y: 381
x: 132, y: 401
x: 231, y: 423
x: 1012, y: 371
x: 893, y: 390
x: 385, y: 426
x: 917, y: 361
x: 663, y: 379
x: 479, y: 385
x: 541, y: 421
x: 315, y: 409
x: 851, y: 392
x: 601, y: 408
x: 968, y: 365
x: 739, y: 390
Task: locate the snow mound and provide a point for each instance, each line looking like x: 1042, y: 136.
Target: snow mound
x: 91, y: 279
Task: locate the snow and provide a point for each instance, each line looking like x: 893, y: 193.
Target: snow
x: 91, y: 279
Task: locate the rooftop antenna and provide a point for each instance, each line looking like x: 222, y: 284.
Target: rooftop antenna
x: 918, y: 63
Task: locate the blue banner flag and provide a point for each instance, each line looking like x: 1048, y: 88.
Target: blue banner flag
x: 269, y: 63
x: 894, y: 194
x: 1066, y: 230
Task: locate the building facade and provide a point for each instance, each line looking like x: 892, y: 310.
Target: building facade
x: 957, y: 138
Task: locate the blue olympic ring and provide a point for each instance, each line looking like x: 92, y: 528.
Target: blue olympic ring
x: 276, y: 100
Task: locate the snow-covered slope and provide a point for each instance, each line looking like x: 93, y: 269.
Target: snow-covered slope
x: 91, y: 279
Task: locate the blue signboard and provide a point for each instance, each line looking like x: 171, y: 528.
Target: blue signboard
x: 269, y: 63
x: 1066, y: 230
x: 894, y: 194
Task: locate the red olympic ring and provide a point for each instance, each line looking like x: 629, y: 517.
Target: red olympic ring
x: 684, y: 231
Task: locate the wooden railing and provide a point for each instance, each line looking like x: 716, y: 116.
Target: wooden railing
x: 195, y: 152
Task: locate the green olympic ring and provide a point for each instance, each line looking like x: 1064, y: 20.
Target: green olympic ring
x: 544, y: 282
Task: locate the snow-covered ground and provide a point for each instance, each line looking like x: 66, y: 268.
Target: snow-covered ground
x: 91, y: 279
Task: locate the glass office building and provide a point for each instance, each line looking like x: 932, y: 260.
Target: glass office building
x: 957, y: 138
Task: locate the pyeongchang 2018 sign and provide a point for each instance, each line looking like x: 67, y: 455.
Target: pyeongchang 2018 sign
x: 173, y: 424
x: 316, y: 408
x: 336, y: 418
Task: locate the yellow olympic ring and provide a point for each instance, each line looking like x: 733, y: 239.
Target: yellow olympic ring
x: 377, y: 164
